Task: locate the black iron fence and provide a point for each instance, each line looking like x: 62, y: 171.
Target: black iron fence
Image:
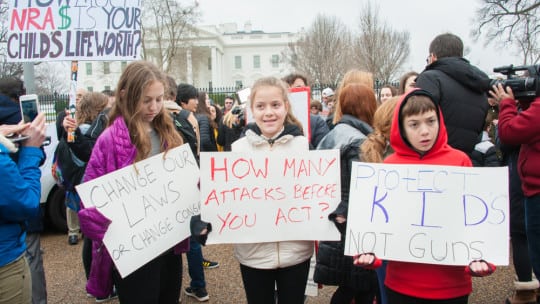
x: 52, y: 104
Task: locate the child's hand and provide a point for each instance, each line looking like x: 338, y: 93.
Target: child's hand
x: 367, y: 260
x: 340, y: 219
x: 480, y: 268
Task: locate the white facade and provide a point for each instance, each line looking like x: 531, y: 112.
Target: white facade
x: 220, y: 56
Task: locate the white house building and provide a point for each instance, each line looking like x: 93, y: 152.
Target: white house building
x: 217, y: 56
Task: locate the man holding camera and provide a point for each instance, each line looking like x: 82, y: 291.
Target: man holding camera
x: 518, y: 125
x: 459, y: 87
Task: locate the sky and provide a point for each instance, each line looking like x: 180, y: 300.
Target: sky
x: 423, y: 19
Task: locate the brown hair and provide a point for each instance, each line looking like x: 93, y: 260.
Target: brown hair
x: 446, y: 45
x: 357, y: 100
x: 417, y: 104
x: 374, y: 147
x: 352, y: 76
x: 282, y: 86
x: 90, y: 106
x: 137, y: 76
x: 403, y: 80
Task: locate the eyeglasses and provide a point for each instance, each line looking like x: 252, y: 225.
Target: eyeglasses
x: 429, y: 58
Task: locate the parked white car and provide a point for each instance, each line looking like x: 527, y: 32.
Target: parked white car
x: 52, y: 196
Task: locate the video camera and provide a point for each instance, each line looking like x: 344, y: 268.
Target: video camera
x: 525, y: 87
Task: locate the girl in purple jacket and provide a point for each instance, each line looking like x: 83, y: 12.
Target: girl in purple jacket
x: 139, y: 128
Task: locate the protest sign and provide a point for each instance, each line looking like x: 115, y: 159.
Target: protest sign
x: 257, y: 197
x: 429, y: 214
x: 73, y: 30
x: 149, y: 203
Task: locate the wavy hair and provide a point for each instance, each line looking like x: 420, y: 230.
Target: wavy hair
x: 135, y: 79
x: 374, y: 147
x: 352, y: 76
x: 90, y: 106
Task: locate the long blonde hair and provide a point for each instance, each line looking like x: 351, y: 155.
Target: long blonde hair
x: 137, y: 76
x: 282, y: 86
x: 352, y: 76
x: 90, y: 106
x: 374, y: 147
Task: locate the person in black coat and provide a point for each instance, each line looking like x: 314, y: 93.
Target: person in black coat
x: 459, y: 87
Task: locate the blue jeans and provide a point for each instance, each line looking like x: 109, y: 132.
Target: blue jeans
x: 532, y: 223
x: 195, y: 266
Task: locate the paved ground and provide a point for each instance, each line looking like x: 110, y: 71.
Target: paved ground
x: 66, y: 281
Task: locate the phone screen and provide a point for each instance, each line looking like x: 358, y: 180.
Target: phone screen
x: 29, y: 109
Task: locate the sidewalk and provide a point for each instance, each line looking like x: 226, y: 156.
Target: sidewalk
x: 66, y: 281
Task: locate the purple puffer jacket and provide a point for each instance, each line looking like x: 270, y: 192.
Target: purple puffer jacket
x: 112, y: 151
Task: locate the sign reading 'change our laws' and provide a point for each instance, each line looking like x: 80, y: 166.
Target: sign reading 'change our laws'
x: 150, y: 205
x: 267, y: 197
x: 41, y: 30
x: 429, y: 214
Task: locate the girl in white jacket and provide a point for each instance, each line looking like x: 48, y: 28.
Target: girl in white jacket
x: 284, y: 265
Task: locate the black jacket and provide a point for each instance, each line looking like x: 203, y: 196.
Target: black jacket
x: 333, y: 267
x: 226, y: 136
x: 461, y: 89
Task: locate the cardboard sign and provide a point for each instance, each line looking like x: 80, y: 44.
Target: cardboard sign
x: 267, y: 197
x: 150, y: 207
x: 73, y: 30
x: 429, y: 214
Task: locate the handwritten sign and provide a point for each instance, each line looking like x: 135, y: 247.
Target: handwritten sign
x: 257, y: 197
x: 150, y: 207
x: 41, y: 30
x: 429, y: 214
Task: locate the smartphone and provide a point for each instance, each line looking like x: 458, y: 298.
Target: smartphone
x: 29, y: 107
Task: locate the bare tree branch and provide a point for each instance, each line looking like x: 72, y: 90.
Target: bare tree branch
x: 323, y: 52
x: 507, y: 23
x: 378, y: 48
x: 166, y: 25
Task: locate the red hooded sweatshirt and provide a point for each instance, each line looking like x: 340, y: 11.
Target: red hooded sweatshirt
x: 419, y: 280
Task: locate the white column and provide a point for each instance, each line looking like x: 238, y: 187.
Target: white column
x: 189, y: 64
x: 215, y: 66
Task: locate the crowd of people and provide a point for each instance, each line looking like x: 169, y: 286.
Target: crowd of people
x: 445, y: 115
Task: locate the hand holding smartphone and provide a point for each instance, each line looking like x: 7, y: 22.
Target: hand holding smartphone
x: 29, y: 107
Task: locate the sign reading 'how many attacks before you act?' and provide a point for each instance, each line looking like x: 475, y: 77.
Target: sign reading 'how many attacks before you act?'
x: 73, y: 30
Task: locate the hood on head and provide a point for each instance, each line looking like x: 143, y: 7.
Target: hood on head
x: 397, y: 135
x: 463, y: 72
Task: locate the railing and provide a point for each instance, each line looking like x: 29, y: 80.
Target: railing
x: 51, y: 105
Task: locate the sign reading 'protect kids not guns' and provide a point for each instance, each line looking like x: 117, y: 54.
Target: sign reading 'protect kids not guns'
x: 40, y: 30
x: 429, y: 214
x: 266, y: 197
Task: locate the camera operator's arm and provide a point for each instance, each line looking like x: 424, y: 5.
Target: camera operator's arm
x: 515, y: 127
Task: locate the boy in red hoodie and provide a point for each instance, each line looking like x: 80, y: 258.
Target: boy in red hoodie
x: 418, y: 136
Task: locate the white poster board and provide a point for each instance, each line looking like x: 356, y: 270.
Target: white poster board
x: 150, y: 209
x: 257, y: 197
x: 80, y: 30
x: 429, y: 214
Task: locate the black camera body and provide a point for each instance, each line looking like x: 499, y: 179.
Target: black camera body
x: 239, y: 112
x: 525, y: 87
